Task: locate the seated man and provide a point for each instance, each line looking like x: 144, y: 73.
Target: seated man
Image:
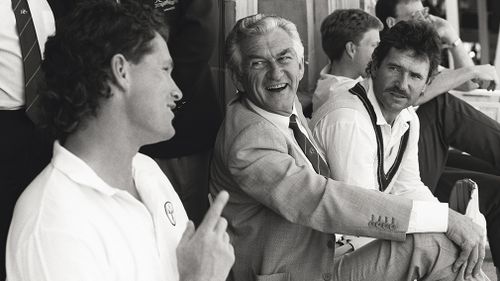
x: 348, y: 37
x: 369, y: 138
x: 284, y: 209
x: 100, y: 210
x: 446, y: 121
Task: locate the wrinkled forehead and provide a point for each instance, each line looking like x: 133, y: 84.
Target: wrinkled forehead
x: 405, y: 9
x: 271, y: 43
x: 409, y: 59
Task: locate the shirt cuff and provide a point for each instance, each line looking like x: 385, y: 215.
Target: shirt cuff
x: 428, y: 216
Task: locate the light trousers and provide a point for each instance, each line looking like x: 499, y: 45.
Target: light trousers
x: 427, y: 257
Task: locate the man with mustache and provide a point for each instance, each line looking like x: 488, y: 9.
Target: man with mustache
x: 447, y: 121
x: 370, y: 131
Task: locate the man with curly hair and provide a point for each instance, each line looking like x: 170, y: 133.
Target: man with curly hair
x: 447, y: 121
x: 100, y: 210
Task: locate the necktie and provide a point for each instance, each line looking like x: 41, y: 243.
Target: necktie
x: 307, y: 147
x: 30, y: 52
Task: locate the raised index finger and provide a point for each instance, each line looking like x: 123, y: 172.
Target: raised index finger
x: 215, y: 211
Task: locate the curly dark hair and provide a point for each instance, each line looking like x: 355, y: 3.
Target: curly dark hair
x: 417, y: 36
x: 345, y: 25
x: 76, y: 63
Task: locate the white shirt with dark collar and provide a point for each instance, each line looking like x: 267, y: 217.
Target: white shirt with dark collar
x: 70, y: 225
x: 346, y: 134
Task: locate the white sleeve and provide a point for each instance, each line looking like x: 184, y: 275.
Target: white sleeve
x: 57, y: 256
x: 428, y: 216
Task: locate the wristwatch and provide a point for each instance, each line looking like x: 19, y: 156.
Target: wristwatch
x: 455, y: 43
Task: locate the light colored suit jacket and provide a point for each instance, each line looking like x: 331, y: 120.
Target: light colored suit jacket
x: 283, y: 215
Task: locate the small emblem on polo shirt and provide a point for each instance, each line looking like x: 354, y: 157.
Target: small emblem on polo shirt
x: 169, y: 210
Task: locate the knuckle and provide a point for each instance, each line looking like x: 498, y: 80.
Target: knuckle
x: 467, y: 246
x: 206, y: 240
x: 223, y: 221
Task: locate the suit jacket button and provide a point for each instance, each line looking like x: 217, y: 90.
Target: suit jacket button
x: 327, y: 276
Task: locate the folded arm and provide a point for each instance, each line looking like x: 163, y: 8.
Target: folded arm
x: 265, y: 169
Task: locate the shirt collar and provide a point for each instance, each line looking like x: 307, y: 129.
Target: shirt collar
x: 282, y: 122
x: 403, y: 117
x: 77, y: 170
x: 324, y: 74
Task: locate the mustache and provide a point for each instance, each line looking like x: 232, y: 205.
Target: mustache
x: 398, y: 90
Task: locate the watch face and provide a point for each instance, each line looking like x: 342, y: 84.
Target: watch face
x: 456, y: 43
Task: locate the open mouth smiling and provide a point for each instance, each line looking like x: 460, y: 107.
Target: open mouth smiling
x: 277, y: 87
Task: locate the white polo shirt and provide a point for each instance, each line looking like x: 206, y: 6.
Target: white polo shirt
x: 70, y: 225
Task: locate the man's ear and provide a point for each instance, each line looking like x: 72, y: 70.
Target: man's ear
x: 390, y: 21
x: 301, y: 69
x: 350, y: 49
x: 423, y: 89
x: 373, y: 69
x: 120, y: 71
x: 429, y: 81
x: 236, y: 77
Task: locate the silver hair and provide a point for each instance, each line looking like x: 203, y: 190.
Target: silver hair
x: 255, y: 25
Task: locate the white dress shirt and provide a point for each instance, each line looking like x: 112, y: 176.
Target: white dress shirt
x: 343, y: 128
x: 11, y: 60
x: 70, y: 225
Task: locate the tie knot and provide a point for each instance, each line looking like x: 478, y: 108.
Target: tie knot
x: 293, y: 119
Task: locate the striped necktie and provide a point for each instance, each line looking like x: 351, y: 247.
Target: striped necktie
x: 31, y: 55
x: 308, y: 148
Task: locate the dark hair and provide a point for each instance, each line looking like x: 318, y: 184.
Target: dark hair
x: 417, y: 36
x: 77, y: 58
x: 387, y: 8
x: 345, y: 25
